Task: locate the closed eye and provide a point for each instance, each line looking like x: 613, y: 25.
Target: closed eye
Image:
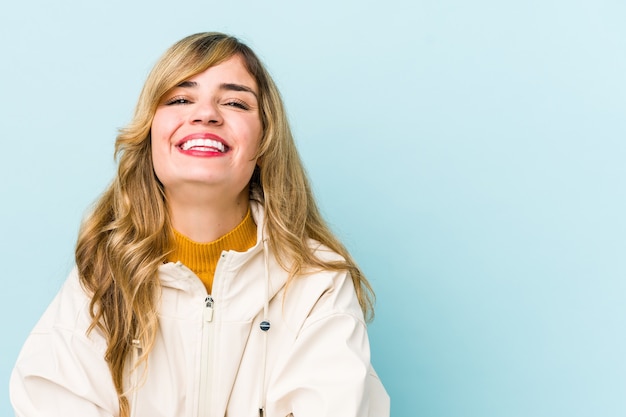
x: 177, y: 100
x: 238, y: 104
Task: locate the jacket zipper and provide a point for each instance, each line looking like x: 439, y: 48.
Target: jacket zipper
x: 205, y: 388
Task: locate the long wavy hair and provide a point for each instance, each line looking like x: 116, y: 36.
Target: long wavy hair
x: 128, y: 234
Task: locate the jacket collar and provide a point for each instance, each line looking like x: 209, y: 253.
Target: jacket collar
x: 178, y: 276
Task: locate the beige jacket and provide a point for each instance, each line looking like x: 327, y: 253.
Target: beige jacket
x: 211, y: 358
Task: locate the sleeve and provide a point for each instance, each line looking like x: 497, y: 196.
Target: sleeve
x: 328, y: 370
x: 60, y: 371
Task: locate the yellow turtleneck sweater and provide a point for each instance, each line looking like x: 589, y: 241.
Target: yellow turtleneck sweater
x: 202, y: 258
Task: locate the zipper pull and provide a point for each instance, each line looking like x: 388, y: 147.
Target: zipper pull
x: 208, y: 308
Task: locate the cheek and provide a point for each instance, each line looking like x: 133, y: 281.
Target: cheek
x: 254, y: 134
x: 161, y: 132
x: 165, y: 123
x: 157, y: 160
x: 160, y: 148
x: 158, y: 129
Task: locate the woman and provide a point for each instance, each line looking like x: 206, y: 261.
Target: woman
x: 206, y: 281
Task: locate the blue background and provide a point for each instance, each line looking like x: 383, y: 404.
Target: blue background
x: 470, y: 154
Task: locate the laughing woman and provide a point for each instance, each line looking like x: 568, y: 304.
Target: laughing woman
x: 206, y: 281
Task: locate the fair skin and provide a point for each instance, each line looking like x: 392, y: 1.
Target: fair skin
x: 205, y: 137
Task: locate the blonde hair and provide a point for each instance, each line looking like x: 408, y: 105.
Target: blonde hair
x: 128, y: 234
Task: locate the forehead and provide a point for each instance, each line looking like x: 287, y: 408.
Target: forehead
x: 232, y: 70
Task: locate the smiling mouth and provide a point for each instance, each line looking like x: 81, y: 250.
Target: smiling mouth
x: 206, y: 145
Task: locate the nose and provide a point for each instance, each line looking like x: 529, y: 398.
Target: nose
x: 205, y: 113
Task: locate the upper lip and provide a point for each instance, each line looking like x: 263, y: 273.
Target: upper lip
x: 202, y: 135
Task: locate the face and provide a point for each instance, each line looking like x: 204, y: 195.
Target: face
x: 206, y: 131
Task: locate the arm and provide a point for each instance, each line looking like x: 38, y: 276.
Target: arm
x: 60, y: 371
x: 328, y: 371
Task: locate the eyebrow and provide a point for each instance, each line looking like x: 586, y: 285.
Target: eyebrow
x: 223, y: 86
x: 237, y: 87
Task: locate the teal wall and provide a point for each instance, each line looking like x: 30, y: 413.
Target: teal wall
x: 470, y: 154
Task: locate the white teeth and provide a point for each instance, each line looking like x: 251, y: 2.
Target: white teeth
x: 203, y: 143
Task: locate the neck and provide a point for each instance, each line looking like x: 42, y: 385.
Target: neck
x: 204, y: 219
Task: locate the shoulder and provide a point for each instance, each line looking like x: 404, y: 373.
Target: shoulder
x: 323, y: 252
x: 326, y: 291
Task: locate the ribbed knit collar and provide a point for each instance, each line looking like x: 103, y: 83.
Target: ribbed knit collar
x: 202, y: 258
